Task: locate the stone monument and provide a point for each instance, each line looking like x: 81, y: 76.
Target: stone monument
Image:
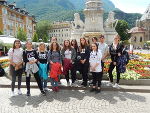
x: 77, y: 27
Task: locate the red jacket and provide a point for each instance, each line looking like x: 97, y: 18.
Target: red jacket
x: 55, y: 70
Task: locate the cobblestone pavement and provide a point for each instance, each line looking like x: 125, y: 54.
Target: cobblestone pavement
x: 74, y: 101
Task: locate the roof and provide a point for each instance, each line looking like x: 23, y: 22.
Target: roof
x: 146, y: 15
x: 137, y: 30
x: 7, y: 39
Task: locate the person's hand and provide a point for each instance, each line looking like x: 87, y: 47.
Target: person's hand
x: 51, y: 62
x: 83, y: 61
x: 31, y: 62
x: 62, y: 69
x: 114, y: 63
x: 119, y: 54
x: 70, y: 61
x: 93, y: 68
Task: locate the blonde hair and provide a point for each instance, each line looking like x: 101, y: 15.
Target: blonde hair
x: 42, y: 43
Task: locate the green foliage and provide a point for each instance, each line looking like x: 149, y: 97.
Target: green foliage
x: 122, y: 29
x: 35, y: 37
x: 63, y: 10
x: 21, y: 35
x: 1, y: 33
x: 42, y: 30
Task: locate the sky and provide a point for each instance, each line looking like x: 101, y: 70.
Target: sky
x: 132, y: 6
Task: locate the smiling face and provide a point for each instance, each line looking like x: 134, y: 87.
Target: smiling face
x: 94, y: 47
x: 83, y: 41
x: 116, y: 39
x: 66, y: 43
x: 29, y: 45
x: 17, y: 44
x: 42, y: 47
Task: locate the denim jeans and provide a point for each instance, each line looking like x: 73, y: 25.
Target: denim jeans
x: 53, y: 82
x: 44, y: 83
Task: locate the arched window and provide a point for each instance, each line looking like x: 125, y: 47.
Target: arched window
x: 141, y: 39
x: 135, y: 39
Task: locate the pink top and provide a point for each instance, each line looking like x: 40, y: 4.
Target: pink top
x: 16, y: 55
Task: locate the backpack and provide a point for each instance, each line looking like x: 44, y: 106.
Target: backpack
x: 2, y: 71
x: 121, y: 63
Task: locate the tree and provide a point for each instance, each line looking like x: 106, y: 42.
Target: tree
x: 45, y: 38
x: 42, y: 30
x: 35, y: 37
x: 122, y: 29
x: 21, y: 35
x: 1, y: 33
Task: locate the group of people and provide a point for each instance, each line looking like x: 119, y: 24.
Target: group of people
x: 49, y: 63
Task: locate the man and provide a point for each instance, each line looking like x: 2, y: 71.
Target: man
x: 103, y: 47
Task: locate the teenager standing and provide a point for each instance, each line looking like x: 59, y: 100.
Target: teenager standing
x: 43, y: 65
x: 84, y: 53
x: 30, y: 59
x: 68, y: 55
x: 115, y: 51
x: 55, y: 61
x: 16, y: 65
x: 96, y: 68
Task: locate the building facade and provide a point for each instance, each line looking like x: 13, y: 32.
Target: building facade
x: 61, y: 30
x: 13, y: 18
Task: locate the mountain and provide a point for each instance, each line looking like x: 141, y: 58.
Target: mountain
x: 62, y: 10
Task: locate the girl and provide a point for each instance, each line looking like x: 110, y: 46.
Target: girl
x: 115, y: 51
x: 68, y: 55
x: 43, y: 66
x: 94, y: 40
x: 96, y: 68
x: 55, y: 60
x: 16, y: 61
x: 30, y: 59
x: 75, y: 66
x: 84, y: 53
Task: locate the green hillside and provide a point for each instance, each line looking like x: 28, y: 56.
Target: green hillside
x: 61, y: 10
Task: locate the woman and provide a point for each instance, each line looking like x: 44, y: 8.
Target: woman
x: 115, y: 51
x: 30, y: 59
x: 84, y: 53
x: 96, y: 68
x: 68, y: 56
x: 42, y: 62
x: 55, y: 60
x: 94, y: 40
x: 75, y: 66
x: 16, y: 62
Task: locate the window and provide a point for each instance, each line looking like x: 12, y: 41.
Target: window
x: 135, y: 39
x: 141, y: 39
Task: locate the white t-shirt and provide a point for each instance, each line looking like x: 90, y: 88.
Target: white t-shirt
x: 95, y: 57
x: 68, y: 54
x: 16, y: 55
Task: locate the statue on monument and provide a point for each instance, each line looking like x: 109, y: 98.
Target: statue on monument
x: 111, y: 22
x: 77, y: 23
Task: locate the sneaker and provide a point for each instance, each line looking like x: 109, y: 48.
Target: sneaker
x: 110, y: 84
x: 98, y: 91
x: 43, y: 93
x: 19, y: 92
x: 73, y: 85
x: 92, y: 90
x: 53, y: 88
x: 56, y: 89
x: 28, y: 93
x: 12, y: 94
x: 116, y: 86
x: 68, y: 83
x: 46, y: 89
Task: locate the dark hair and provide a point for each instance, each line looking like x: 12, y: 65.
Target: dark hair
x: 65, y: 47
x: 94, y: 38
x: 101, y: 36
x: 81, y: 45
x: 57, y: 48
x: 14, y: 47
x: 96, y: 47
x: 76, y: 44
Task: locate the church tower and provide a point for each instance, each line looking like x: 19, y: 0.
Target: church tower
x: 93, y: 18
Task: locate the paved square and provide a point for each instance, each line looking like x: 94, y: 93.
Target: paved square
x: 74, y: 101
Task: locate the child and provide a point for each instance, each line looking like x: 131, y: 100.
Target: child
x: 55, y: 60
x: 30, y: 59
x: 42, y: 62
x: 96, y: 68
